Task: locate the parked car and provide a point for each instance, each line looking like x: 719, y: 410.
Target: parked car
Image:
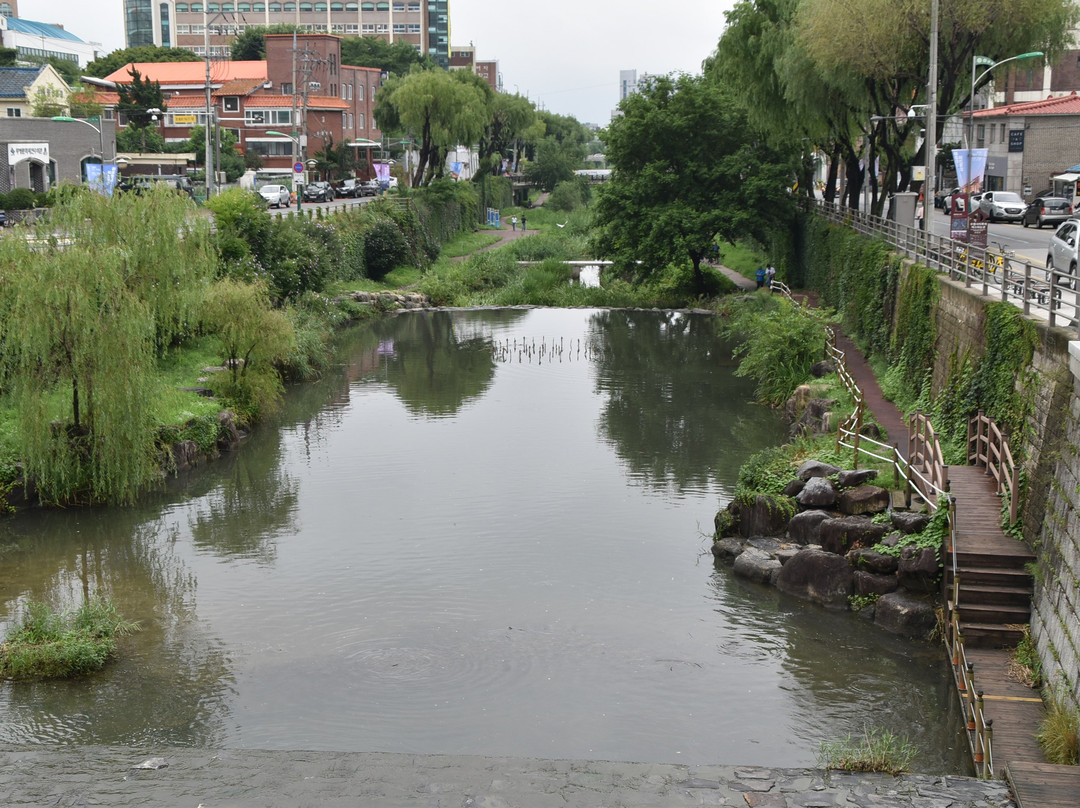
x: 1046, y: 210
x: 942, y: 198
x: 1002, y: 206
x: 348, y: 188
x: 1061, y: 253
x: 3, y: 218
x: 318, y: 192
x: 275, y: 195
x: 370, y: 188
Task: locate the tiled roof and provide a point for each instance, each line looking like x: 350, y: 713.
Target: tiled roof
x: 240, y: 86
x: 166, y: 73
x: 15, y: 80
x: 1055, y: 105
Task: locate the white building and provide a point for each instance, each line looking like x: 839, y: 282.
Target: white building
x: 38, y: 41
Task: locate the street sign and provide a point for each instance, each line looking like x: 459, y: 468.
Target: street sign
x: 298, y: 167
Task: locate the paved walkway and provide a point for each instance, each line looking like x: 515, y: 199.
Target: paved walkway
x: 223, y: 778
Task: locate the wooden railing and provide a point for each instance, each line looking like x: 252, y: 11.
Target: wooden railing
x: 975, y: 720
x: 924, y: 454
x: 988, y: 447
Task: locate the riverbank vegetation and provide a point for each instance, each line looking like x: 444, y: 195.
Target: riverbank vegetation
x: 46, y: 644
x: 876, y: 750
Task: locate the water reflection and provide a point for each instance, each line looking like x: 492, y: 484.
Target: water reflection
x: 660, y: 375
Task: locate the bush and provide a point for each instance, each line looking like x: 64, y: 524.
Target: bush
x: 384, y: 248
x: 1059, y: 731
x: 47, y: 645
x: 19, y: 199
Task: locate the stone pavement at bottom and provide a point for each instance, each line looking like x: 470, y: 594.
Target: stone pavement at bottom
x: 226, y: 778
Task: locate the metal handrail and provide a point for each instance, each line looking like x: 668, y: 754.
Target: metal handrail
x: 988, y: 447
x: 980, y: 727
x: 1048, y: 292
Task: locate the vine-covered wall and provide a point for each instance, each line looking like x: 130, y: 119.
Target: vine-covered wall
x: 954, y: 352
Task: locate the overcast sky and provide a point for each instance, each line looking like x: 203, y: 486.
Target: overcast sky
x: 564, y: 54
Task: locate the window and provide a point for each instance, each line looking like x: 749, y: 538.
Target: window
x: 288, y: 7
x: 414, y: 6
x: 367, y: 6
x: 352, y: 28
x: 258, y: 6
x: 196, y: 7
x: 228, y: 7
x: 399, y: 7
x: 359, y: 92
x: 399, y: 28
x: 183, y: 29
x: 351, y: 6
x: 181, y: 8
x: 368, y: 28
x: 275, y: 7
x: 361, y: 120
x: 243, y: 6
x: 213, y: 7
x: 197, y: 29
x: 305, y: 6
x: 320, y: 6
x: 382, y: 6
x: 382, y: 28
x: 230, y: 103
x: 337, y: 6
x: 414, y: 28
x: 14, y: 112
x: 267, y: 117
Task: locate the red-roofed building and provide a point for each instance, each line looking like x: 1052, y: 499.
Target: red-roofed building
x: 324, y: 103
x: 1028, y: 143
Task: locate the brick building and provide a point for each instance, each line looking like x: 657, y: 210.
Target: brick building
x: 424, y: 24
x: 1028, y: 143
x: 463, y: 57
x: 323, y: 103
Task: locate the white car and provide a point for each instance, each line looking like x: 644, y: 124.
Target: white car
x: 275, y: 195
x: 1002, y: 205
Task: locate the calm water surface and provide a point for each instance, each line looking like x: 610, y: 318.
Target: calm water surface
x: 485, y: 533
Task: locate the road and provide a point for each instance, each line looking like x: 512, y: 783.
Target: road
x: 1029, y: 243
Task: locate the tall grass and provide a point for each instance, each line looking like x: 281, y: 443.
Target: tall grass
x: 1059, y: 731
x: 876, y: 750
x: 50, y: 645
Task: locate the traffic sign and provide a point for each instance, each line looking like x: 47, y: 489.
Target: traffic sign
x: 298, y: 167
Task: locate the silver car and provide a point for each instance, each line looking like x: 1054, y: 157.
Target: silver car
x: 1061, y: 254
x: 1005, y: 206
x: 275, y: 195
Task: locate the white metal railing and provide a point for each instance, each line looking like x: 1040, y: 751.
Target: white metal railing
x: 1050, y: 293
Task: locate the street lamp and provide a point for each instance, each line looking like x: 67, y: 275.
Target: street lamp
x: 298, y: 157
x: 976, y: 62
x: 101, y: 137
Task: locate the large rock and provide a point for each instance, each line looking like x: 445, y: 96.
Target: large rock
x: 228, y: 430
x: 795, y: 405
x: 815, y: 468
x: 793, y: 488
x: 817, y: 576
x: 822, y: 368
x: 766, y: 516
x: 849, y: 478
x: 817, y: 493
x: 757, y: 565
x: 873, y: 561
x: 918, y: 569
x: 864, y: 499
x: 803, y: 527
x: 815, y: 419
x: 909, y: 522
x: 840, y: 535
x: 903, y: 613
x: 727, y: 549
x: 870, y: 583
x: 185, y: 454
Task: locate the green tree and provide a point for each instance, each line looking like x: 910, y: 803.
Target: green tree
x: 253, y: 336
x: 85, y: 317
x: 45, y: 105
x: 228, y: 158
x: 137, y: 99
x: 554, y: 162
x: 686, y: 171
x: 396, y: 59
x: 8, y: 57
x: 102, y: 67
x: 441, y: 109
x: 250, y: 46
x: 510, y: 119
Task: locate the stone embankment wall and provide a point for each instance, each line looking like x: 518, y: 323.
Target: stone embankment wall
x: 1051, y: 448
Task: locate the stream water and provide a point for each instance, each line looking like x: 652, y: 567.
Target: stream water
x: 486, y: 532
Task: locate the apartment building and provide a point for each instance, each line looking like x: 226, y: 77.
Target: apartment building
x: 265, y: 103
x: 463, y: 57
x: 424, y: 24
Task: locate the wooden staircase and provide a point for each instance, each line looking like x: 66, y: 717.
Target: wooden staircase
x: 995, y: 587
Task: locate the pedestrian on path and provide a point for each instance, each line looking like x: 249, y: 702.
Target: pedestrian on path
x: 524, y: 223
x: 770, y: 274
x: 513, y: 223
x: 760, y: 276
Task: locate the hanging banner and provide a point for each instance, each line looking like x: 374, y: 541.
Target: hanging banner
x: 102, y: 178
x: 455, y: 170
x: 977, y: 165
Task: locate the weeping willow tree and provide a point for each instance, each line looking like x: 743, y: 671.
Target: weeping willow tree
x: 87, y: 301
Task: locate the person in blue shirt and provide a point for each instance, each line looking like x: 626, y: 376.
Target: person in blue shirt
x: 760, y: 276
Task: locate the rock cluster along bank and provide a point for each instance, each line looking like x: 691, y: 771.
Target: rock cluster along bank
x: 822, y: 548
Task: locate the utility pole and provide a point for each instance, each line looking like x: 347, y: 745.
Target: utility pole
x: 209, y: 110
x: 930, y: 142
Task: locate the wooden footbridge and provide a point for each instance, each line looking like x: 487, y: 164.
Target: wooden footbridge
x: 987, y: 586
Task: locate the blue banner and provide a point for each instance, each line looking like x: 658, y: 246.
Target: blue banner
x: 102, y: 178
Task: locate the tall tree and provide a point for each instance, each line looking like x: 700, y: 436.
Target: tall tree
x: 250, y: 46
x: 137, y: 99
x: 510, y: 119
x: 396, y: 58
x: 687, y: 170
x: 84, y: 322
x: 440, y: 110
